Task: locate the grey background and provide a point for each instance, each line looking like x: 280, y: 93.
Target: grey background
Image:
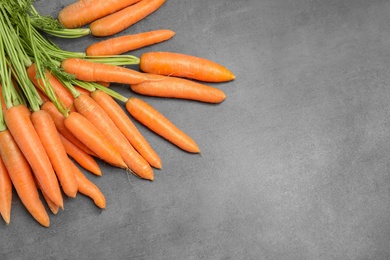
x: 294, y: 164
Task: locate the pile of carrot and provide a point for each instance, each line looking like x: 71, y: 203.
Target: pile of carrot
x: 59, y: 117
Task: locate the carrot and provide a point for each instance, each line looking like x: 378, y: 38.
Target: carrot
x: 86, y: 132
x: 172, y: 87
x: 118, y: 21
x: 88, y: 188
x: 52, y: 206
x: 126, y: 43
x: 86, y: 106
x: 92, y: 71
x: 5, y: 193
x: 55, y: 150
x: 22, y: 129
x: 183, y: 65
x: 83, y: 12
x: 158, y: 123
x: 127, y: 127
x: 81, y: 157
x: 22, y: 178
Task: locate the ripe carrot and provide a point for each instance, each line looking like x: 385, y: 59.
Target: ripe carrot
x: 183, y: 65
x: 5, y: 193
x: 55, y: 150
x: 22, y: 129
x: 85, y: 11
x: 127, y: 127
x: 93, y: 71
x: 52, y: 206
x: 86, y: 106
x: 22, y: 178
x: 118, y: 21
x: 126, y: 43
x: 86, y: 132
x: 81, y: 157
x: 88, y: 188
x: 159, y: 124
x: 172, y: 87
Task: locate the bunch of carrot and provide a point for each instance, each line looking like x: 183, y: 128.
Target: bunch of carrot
x: 59, y: 115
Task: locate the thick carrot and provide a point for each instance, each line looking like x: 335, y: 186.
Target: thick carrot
x: 118, y: 21
x: 86, y: 106
x: 88, y: 188
x: 83, y: 12
x: 81, y: 157
x: 86, y: 132
x: 55, y: 150
x: 5, y: 193
x: 93, y: 71
x: 22, y: 129
x: 183, y: 65
x: 159, y: 124
x: 22, y: 178
x: 172, y: 87
x: 126, y: 43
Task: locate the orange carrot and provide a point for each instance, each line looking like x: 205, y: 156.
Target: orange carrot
x: 118, y: 21
x: 5, y: 193
x: 83, y: 12
x: 86, y: 132
x: 52, y: 206
x: 22, y: 178
x: 22, y: 129
x: 86, y: 106
x: 88, y: 188
x: 93, y: 71
x: 183, y: 65
x: 126, y: 43
x: 172, y: 87
x: 127, y: 127
x: 81, y: 157
x: 159, y: 124
x: 55, y: 150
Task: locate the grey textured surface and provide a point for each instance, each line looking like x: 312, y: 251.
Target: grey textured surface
x: 294, y: 165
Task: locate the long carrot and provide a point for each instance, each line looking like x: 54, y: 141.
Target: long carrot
x: 127, y: 127
x: 172, y: 87
x: 183, y: 65
x: 158, y: 123
x: 93, y: 71
x: 5, y: 193
x: 22, y: 129
x: 83, y: 12
x: 118, y: 21
x: 126, y: 43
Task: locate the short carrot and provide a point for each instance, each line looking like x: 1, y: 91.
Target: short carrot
x: 173, y: 87
x: 184, y: 65
x: 118, y: 21
x: 126, y: 43
x: 93, y: 71
x: 52, y: 206
x: 5, y: 193
x: 158, y: 123
x: 83, y: 12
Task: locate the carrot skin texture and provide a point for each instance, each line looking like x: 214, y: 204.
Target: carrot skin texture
x: 159, y: 124
x: 5, y: 193
x: 119, y: 21
x: 86, y: 11
x: 22, y: 178
x: 126, y: 43
x: 184, y: 65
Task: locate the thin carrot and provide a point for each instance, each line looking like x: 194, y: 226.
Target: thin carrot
x: 172, y: 87
x: 5, y: 193
x: 183, y: 65
x: 93, y: 71
x: 86, y: 106
x: 88, y: 188
x: 81, y: 157
x: 118, y: 21
x: 55, y: 150
x: 85, y: 11
x: 159, y: 124
x: 126, y: 43
x: 127, y: 127
x: 52, y: 206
